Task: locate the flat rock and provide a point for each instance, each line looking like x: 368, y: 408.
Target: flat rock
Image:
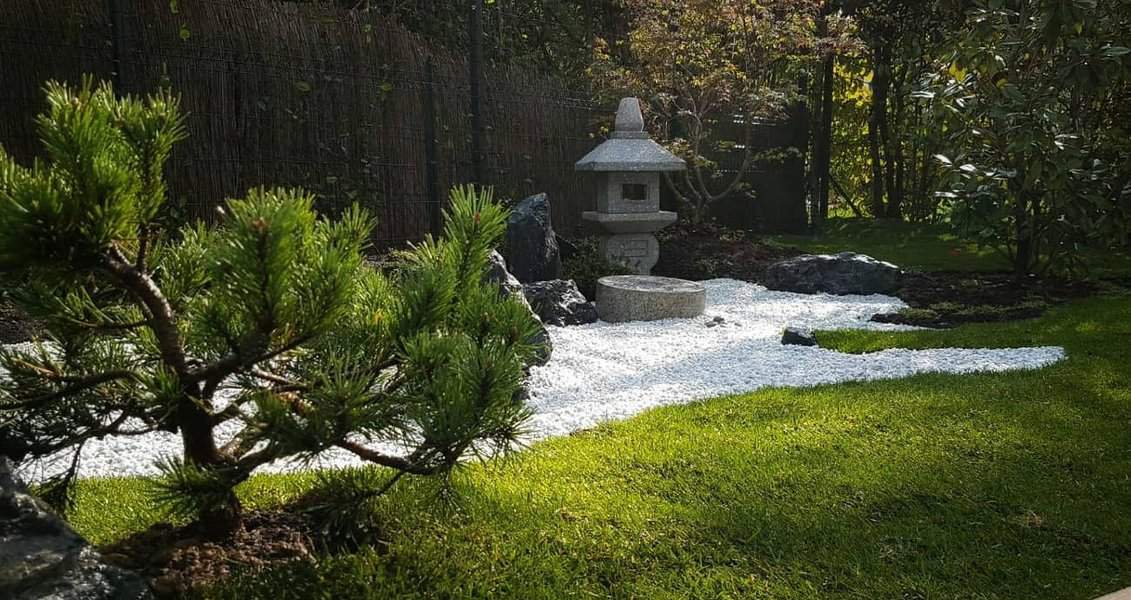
x: 559, y: 302
x: 838, y: 274
x: 648, y: 298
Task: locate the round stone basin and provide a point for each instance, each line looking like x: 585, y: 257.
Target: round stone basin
x: 623, y: 298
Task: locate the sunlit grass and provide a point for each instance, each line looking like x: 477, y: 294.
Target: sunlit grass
x: 1011, y: 485
x: 927, y: 247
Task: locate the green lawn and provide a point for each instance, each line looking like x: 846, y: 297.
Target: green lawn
x: 923, y: 247
x: 926, y: 247
x: 988, y: 486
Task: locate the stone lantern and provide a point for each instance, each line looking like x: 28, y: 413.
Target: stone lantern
x: 628, y: 167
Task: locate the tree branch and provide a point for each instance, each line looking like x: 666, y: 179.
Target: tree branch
x: 142, y: 249
x: 162, y: 318
x: 233, y: 361
x: 77, y: 385
x: 395, y: 462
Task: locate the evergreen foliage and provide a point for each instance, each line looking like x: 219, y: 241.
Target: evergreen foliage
x: 270, y: 319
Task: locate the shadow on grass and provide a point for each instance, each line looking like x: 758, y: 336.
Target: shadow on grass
x: 1007, y: 485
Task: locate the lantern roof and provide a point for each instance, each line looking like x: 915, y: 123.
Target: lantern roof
x: 629, y: 148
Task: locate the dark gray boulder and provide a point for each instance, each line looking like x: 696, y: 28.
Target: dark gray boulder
x: 498, y: 273
x: 795, y: 336
x: 42, y: 557
x: 844, y: 273
x: 559, y: 302
x: 509, y: 286
x: 531, y: 246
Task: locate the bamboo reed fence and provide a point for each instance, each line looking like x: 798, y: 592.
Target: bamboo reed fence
x: 298, y: 94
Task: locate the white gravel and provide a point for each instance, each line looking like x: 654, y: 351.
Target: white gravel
x: 611, y: 371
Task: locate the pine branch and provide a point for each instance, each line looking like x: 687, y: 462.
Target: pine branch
x: 109, y: 326
x: 162, y: 318
x: 252, y: 461
x: 396, y: 462
x: 142, y: 249
x: 78, y: 384
x: 283, y: 384
x: 234, y: 361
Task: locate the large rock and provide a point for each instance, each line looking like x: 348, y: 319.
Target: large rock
x: 844, y: 273
x: 559, y: 302
x: 498, y: 274
x: 42, y: 557
x: 531, y: 246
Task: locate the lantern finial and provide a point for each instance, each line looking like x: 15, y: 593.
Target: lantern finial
x: 629, y: 117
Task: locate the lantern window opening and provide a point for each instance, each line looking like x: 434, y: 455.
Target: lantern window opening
x: 634, y: 191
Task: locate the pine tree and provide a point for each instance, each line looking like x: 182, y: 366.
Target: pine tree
x: 270, y: 318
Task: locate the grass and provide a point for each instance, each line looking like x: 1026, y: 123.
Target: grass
x: 909, y: 245
x: 928, y: 247
x: 986, y: 486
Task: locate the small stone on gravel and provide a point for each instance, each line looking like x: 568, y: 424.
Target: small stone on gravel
x: 795, y: 336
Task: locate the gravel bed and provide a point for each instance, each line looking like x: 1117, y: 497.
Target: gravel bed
x: 609, y: 371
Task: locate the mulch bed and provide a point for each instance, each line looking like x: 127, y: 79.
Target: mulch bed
x: 948, y: 298
x: 179, y: 559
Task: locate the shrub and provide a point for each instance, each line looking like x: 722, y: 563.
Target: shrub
x: 586, y: 265
x: 271, y: 318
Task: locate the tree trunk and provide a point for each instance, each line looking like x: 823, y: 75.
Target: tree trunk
x: 896, y: 164
x: 877, y: 199
x: 887, y: 141
x: 876, y: 118
x: 822, y: 159
x: 194, y: 420
x: 199, y: 441
x: 1023, y: 254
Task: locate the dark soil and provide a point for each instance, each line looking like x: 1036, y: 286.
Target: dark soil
x: 179, y: 559
x: 707, y: 251
x: 947, y: 298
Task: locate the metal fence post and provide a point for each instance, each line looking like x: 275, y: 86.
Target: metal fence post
x: 475, y: 64
x: 114, y: 10
x: 431, y: 176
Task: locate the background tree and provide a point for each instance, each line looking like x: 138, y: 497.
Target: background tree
x: 552, y: 36
x: 879, y: 111
x: 703, y: 66
x: 271, y: 319
x: 1038, y: 154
